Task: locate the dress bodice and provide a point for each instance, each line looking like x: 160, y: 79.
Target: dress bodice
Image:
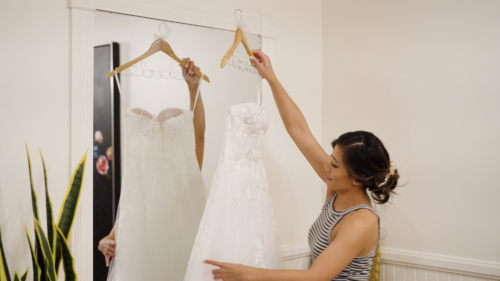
x: 246, y: 126
x: 172, y: 127
x: 251, y: 118
x: 152, y: 141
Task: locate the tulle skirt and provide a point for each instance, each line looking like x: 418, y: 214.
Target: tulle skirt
x: 238, y: 225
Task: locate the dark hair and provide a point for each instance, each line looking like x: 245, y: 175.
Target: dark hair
x: 367, y: 161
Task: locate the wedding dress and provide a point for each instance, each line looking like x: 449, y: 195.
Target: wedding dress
x: 162, y: 197
x: 238, y: 225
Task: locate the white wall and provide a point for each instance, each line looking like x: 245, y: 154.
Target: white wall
x: 424, y: 76
x: 35, y: 107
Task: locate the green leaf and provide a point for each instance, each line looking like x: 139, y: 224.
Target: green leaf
x: 4, y: 269
x: 68, y: 261
x: 25, y: 275
x: 16, y: 276
x: 58, y: 255
x: 36, y: 268
x: 40, y: 259
x: 51, y: 231
x: 34, y: 198
x: 47, y: 253
x: 70, y: 204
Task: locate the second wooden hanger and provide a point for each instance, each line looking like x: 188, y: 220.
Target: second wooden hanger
x: 158, y: 45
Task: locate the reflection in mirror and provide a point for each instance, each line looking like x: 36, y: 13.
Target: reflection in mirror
x: 163, y: 142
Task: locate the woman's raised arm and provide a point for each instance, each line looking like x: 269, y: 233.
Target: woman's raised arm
x: 188, y: 70
x: 292, y: 117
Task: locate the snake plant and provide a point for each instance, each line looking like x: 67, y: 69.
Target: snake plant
x: 53, y: 248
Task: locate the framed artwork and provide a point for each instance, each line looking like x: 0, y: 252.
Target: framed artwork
x: 106, y: 150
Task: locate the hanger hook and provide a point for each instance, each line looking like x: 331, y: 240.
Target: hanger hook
x: 166, y: 32
x: 241, y: 15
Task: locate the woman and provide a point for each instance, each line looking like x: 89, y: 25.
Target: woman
x: 344, y: 237
x: 107, y: 245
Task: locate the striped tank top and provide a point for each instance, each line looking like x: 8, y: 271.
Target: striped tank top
x: 320, y: 238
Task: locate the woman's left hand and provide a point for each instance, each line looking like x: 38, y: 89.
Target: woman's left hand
x: 229, y: 271
x: 188, y: 72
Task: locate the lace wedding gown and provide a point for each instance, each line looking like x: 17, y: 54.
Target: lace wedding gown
x: 238, y: 224
x: 162, y: 197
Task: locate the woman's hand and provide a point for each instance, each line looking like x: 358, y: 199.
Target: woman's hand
x: 188, y: 72
x: 263, y: 64
x: 108, y: 247
x: 229, y: 271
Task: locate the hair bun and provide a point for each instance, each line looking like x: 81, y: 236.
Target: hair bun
x: 368, y: 162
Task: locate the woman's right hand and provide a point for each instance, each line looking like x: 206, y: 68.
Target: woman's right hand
x: 263, y: 65
x: 108, y: 247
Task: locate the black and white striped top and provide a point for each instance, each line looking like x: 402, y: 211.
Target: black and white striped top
x: 320, y: 238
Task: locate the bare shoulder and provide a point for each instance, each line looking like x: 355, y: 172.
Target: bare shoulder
x: 357, y: 231
x: 365, y: 214
x: 361, y: 221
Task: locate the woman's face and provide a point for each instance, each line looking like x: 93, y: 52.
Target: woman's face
x: 338, y: 177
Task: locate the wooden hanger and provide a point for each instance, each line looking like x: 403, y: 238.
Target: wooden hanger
x: 158, y: 45
x: 238, y: 37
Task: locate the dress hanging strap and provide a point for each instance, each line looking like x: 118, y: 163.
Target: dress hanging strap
x: 198, y: 91
x: 118, y: 83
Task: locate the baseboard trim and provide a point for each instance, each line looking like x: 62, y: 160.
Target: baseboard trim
x: 477, y: 268
x: 470, y: 267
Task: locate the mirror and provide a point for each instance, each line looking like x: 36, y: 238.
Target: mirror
x: 171, y: 206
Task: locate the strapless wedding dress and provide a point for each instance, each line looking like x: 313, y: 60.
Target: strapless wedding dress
x: 162, y: 197
x: 238, y: 225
